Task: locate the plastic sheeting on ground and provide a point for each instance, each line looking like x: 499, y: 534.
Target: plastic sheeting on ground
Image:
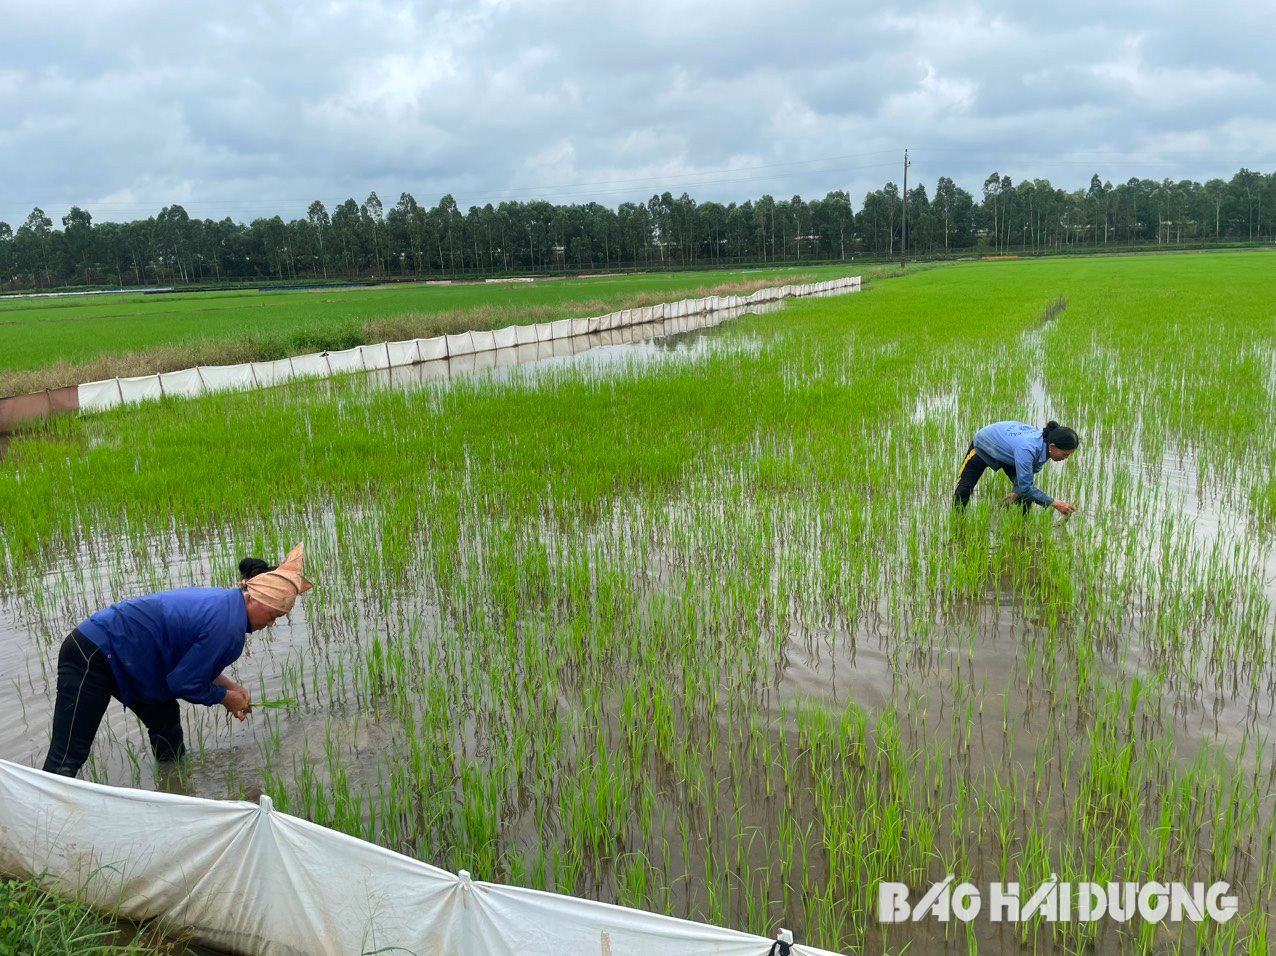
x: 96, y: 396
x: 247, y: 878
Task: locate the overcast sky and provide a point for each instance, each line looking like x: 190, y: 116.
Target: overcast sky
x: 250, y: 109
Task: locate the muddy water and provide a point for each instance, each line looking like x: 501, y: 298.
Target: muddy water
x: 30, y: 632
x: 689, y: 336
x: 974, y: 656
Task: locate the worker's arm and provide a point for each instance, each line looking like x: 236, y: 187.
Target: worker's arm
x: 237, y: 700
x: 221, y: 680
x: 189, y: 680
x: 1024, y: 488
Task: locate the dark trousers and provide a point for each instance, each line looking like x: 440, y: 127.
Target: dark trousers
x: 973, y: 467
x: 85, y: 686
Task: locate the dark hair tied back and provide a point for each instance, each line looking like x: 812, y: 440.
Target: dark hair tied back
x: 1062, y: 438
x: 251, y: 567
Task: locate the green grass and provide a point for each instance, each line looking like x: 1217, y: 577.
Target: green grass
x: 61, y: 340
x: 34, y: 921
x: 702, y: 635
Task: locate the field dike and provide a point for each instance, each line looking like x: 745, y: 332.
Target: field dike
x: 262, y: 344
x: 99, y: 395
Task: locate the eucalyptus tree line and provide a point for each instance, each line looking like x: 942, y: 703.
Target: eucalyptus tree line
x: 373, y: 239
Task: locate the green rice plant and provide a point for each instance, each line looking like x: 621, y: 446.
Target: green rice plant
x: 696, y: 627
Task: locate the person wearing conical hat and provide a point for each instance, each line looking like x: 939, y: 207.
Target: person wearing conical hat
x: 150, y: 652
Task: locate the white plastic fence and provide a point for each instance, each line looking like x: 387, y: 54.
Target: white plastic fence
x: 96, y: 396
x: 247, y: 878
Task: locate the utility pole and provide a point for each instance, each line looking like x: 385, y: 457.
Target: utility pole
x: 903, y: 234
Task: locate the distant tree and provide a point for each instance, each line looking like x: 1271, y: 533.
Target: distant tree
x: 78, y: 241
x: 320, y: 222
x: 1246, y: 187
x: 945, y: 201
x: 32, y: 245
x: 345, y: 229
x: 411, y: 239
x: 372, y: 218
x: 6, y: 253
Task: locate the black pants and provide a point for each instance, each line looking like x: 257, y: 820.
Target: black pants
x: 85, y: 686
x: 973, y: 467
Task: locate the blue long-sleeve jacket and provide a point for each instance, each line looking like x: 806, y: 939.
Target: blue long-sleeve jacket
x: 172, y: 644
x: 1020, y: 445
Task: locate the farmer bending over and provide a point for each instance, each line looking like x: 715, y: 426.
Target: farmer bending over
x: 150, y: 651
x: 1020, y: 450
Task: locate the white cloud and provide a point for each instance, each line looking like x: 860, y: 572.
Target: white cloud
x: 933, y: 97
x: 250, y: 108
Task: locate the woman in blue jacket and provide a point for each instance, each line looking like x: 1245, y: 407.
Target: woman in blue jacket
x: 1020, y: 450
x: 149, y: 652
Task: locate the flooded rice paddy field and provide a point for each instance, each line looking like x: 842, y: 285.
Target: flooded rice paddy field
x: 693, y: 627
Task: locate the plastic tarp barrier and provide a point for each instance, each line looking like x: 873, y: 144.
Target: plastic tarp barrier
x: 268, y: 374
x: 403, y: 353
x: 186, y: 383
x: 304, y: 366
x: 431, y: 350
x: 530, y: 921
x: 97, y: 396
x: 374, y: 356
x: 461, y: 344
x: 225, y: 378
x: 346, y: 360
x: 16, y: 409
x: 140, y: 389
x: 245, y: 877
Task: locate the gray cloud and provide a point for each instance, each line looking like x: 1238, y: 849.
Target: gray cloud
x: 249, y: 109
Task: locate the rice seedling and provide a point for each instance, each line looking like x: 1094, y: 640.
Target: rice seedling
x: 698, y: 631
